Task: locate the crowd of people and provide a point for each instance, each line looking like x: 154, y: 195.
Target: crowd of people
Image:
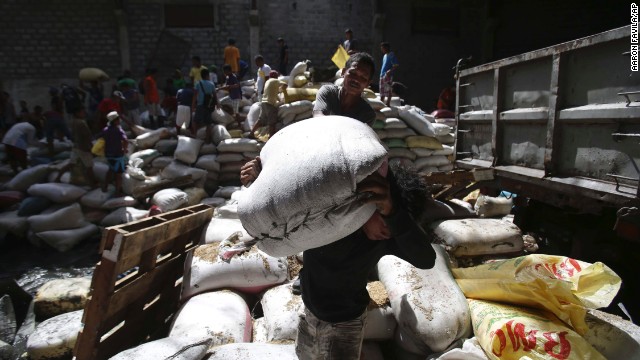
x: 333, y: 324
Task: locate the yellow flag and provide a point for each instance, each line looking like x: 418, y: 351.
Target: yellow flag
x: 340, y: 57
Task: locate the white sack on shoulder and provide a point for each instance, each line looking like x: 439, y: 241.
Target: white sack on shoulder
x: 315, y: 203
x: 431, y: 310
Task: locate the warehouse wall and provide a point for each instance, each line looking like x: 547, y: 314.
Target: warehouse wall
x: 44, y: 42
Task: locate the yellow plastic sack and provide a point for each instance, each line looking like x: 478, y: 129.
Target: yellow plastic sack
x: 98, y: 147
x: 340, y: 57
x: 508, y: 332
x: 559, y: 284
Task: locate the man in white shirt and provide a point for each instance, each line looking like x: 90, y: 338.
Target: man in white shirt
x: 261, y: 76
x: 16, y: 141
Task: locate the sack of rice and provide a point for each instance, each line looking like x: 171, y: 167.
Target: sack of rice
x: 92, y: 74
x: 298, y: 69
x: 418, y: 122
x: 254, y: 351
x: 474, y: 237
x: 166, y: 146
x: 219, y: 229
x: 314, y: 203
x: 33, y: 205
x: 187, y: 149
x: 250, y: 272
x: 12, y: 223
x: 55, y: 338
x: 148, y: 140
x: 238, y: 145
x: 488, y: 206
x: 123, y: 215
x: 221, y: 117
x: 177, y: 169
x: 394, y: 123
x: 166, y: 348
x: 147, y: 156
x: 220, y: 133
x: 431, y: 310
x: 64, y: 240
x: 57, y: 192
x: 222, y: 316
x: 69, y: 217
x: 170, y: 199
x: 27, y: 177
x: 427, y: 142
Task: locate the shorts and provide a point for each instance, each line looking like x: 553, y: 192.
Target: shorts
x: 318, y: 339
x: 202, y: 116
x: 386, y: 89
x: 183, y: 116
x: 116, y: 164
x: 235, y: 104
x: 83, y: 157
x: 268, y: 114
x: 154, y: 109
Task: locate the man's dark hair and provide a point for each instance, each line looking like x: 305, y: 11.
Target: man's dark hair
x: 226, y: 67
x: 385, y: 45
x: 259, y: 57
x: 411, y: 187
x: 348, y: 31
x: 362, y: 58
x: 204, y: 73
x: 232, y: 41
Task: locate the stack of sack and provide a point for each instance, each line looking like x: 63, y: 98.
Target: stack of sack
x: 414, y: 137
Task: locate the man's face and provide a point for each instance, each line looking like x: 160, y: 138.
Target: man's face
x: 356, y: 78
x: 348, y: 35
x: 259, y: 62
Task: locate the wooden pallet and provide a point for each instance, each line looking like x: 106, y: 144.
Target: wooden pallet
x: 136, y: 286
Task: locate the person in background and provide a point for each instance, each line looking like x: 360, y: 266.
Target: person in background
x: 283, y: 56
x: 349, y: 44
x: 261, y: 75
x: 107, y: 105
x: 232, y: 85
x: 346, y: 100
x: 96, y: 94
x: 232, y: 56
x: 213, y: 75
x: 178, y: 80
x: 81, y: 152
x: 130, y: 103
x: 16, y: 140
x: 203, y: 93
x: 24, y: 111
x: 55, y: 122
x: 447, y: 99
x: 169, y: 103
x: 152, y: 98
x: 244, y: 69
x: 389, y: 65
x: 268, y: 105
x: 37, y: 119
x: 115, y: 148
x: 196, y: 69
x: 184, y: 97
x: 8, y: 115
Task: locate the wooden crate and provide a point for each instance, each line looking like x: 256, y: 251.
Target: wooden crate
x: 136, y: 286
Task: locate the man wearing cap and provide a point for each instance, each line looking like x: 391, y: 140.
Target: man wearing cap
x: 115, y: 146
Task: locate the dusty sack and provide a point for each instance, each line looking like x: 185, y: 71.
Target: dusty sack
x: 474, y: 237
x: 315, y: 204
x: 188, y: 149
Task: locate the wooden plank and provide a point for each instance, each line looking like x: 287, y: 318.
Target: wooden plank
x: 148, y: 189
x: 123, y: 313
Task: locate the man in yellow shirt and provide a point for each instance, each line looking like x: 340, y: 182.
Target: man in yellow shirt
x: 196, y: 68
x: 232, y: 56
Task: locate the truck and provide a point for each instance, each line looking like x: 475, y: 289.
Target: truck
x: 560, y: 128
